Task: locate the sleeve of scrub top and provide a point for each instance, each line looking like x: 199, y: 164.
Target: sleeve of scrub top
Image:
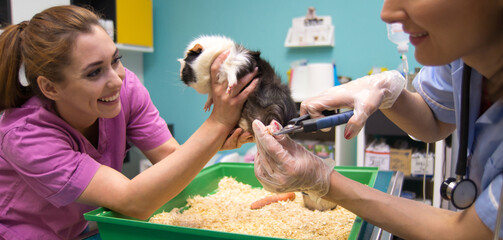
x: 145, y: 128
x: 45, y: 158
x: 487, y: 202
x: 434, y: 84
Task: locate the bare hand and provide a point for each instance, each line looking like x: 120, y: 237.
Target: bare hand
x: 237, y: 138
x: 228, y: 105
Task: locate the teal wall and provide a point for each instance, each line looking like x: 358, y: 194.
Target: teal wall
x: 360, y: 44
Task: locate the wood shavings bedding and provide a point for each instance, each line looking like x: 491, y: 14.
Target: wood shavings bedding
x: 229, y: 210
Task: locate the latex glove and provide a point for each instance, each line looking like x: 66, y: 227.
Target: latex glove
x: 282, y: 165
x: 364, y: 95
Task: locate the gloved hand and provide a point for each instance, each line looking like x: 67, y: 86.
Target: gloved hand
x: 282, y: 165
x: 365, y: 95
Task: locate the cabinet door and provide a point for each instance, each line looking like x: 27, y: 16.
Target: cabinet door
x: 135, y: 23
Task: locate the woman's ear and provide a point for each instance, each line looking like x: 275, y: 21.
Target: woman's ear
x: 48, y: 88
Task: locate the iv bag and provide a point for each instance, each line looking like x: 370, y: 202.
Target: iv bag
x: 398, y: 36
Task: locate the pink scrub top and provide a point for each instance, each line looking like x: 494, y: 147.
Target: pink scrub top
x: 45, y: 164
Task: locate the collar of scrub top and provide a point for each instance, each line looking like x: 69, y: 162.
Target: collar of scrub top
x: 304, y: 123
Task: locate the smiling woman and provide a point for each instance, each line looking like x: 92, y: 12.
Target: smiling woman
x: 69, y: 112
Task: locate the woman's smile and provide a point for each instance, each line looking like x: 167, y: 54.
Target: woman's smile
x: 110, y: 99
x: 416, y: 38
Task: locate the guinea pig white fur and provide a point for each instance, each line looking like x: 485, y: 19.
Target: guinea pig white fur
x: 207, y: 49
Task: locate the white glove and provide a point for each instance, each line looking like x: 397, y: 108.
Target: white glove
x: 365, y: 95
x: 282, y: 165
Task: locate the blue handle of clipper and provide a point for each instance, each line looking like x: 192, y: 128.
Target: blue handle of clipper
x: 312, y: 125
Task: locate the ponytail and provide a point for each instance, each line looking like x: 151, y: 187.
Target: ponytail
x: 12, y: 93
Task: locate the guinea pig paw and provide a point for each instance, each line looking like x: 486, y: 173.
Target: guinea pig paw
x: 207, y: 105
x: 207, y: 108
x: 269, y: 129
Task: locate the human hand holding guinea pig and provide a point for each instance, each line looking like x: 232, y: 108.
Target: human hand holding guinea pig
x: 365, y: 95
x: 236, y: 139
x: 282, y: 165
x: 227, y: 106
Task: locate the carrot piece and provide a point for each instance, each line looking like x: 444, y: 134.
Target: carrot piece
x: 272, y: 199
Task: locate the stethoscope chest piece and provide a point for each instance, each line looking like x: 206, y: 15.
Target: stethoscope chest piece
x: 461, y: 193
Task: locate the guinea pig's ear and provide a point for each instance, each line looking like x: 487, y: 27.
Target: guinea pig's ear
x: 197, y: 49
x: 255, y: 54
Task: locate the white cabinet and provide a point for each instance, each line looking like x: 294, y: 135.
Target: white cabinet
x: 22, y: 10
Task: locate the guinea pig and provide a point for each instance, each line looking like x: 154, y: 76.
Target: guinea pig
x: 271, y: 99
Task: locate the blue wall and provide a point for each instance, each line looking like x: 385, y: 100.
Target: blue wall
x: 360, y: 44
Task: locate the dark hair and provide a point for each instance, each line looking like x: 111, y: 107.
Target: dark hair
x: 43, y: 45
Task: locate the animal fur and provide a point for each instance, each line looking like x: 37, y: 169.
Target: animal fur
x: 271, y: 100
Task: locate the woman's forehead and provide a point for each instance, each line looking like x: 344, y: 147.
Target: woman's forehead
x: 93, y: 46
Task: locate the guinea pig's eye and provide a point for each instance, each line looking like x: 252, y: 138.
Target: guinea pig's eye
x: 191, y: 56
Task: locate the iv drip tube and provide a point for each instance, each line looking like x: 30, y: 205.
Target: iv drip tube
x: 405, y: 66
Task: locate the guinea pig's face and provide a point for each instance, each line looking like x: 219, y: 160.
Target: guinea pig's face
x: 186, y: 72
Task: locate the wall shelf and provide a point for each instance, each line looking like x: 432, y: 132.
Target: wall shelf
x: 311, y: 31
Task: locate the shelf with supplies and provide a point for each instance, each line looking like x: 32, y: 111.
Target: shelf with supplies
x: 381, y: 143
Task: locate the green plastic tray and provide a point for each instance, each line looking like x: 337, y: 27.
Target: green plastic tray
x: 113, y: 225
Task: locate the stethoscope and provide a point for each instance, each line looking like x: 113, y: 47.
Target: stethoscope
x: 461, y: 191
